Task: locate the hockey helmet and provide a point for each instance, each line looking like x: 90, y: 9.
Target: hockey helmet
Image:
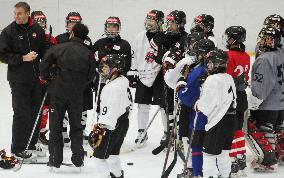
x: 112, y: 27
x: 216, y: 61
x: 175, y: 21
x: 112, y: 61
x: 154, y: 21
x: 269, y: 39
x: 194, y: 37
x: 234, y: 34
x: 203, y: 23
x: 40, y: 18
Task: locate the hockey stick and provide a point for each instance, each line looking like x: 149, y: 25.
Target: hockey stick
x: 185, y: 168
x: 45, y: 163
x: 166, y: 172
x: 97, y: 97
x: 32, y: 133
x: 143, y: 133
x: 173, y: 163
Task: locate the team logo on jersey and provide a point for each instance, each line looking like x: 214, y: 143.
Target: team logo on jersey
x: 21, y: 37
x: 115, y: 47
x: 34, y: 35
x: 177, y: 44
x: 87, y: 42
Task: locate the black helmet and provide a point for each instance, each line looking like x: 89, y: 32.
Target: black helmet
x: 194, y: 37
x: 177, y: 17
x: 269, y: 39
x: 157, y: 16
x: 112, y: 21
x: 217, y: 61
x: 238, y: 33
x: 113, y: 61
x: 203, y: 23
x: 73, y: 17
x: 40, y: 18
x: 201, y: 48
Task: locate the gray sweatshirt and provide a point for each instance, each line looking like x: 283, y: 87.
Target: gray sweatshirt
x: 268, y: 80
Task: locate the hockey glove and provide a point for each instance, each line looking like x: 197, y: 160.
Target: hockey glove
x: 7, y: 162
x: 96, y: 136
x: 253, y: 102
x: 132, y: 76
x: 180, y: 84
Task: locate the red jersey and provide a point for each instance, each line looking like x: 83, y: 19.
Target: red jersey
x: 52, y: 39
x: 238, y: 62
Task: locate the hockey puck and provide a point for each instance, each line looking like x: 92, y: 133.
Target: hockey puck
x: 130, y: 164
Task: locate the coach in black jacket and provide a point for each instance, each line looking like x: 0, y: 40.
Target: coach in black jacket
x: 22, y: 45
x: 75, y: 69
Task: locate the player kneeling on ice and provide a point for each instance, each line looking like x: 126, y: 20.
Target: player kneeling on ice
x: 218, y: 103
x: 266, y: 101
x: 109, y: 132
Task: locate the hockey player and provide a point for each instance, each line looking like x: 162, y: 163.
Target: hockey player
x: 238, y: 67
x: 40, y: 18
x: 171, y: 78
x: 108, y: 134
x: 218, y: 103
x: 71, y: 19
x: 204, y: 23
x: 174, y: 39
x: 146, y: 76
x: 76, y: 68
x: 275, y: 21
x: 266, y: 98
x: 188, y: 90
x: 111, y: 44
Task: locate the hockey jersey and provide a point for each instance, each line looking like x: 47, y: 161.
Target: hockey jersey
x: 147, y: 70
x: 189, y: 95
x: 268, y: 80
x: 238, y: 67
x: 172, y: 75
x: 218, y: 95
x: 191, y: 92
x: 115, y: 100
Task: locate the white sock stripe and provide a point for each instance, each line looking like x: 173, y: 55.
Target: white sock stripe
x: 237, y: 149
x: 238, y: 139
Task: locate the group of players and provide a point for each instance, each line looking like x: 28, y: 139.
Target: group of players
x: 212, y: 87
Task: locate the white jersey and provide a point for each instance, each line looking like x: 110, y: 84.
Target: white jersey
x: 115, y: 100
x: 147, y: 71
x: 172, y: 75
x: 212, y: 38
x: 218, y: 93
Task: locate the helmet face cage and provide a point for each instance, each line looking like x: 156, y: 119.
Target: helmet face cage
x: 40, y: 18
x: 109, y: 62
x: 154, y: 21
x: 216, y: 61
x: 112, y: 27
x: 171, y: 26
x: 194, y: 37
x: 201, y: 48
x: 71, y: 19
x: 203, y: 23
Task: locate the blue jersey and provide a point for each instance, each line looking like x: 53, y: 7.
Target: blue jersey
x: 190, y: 93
